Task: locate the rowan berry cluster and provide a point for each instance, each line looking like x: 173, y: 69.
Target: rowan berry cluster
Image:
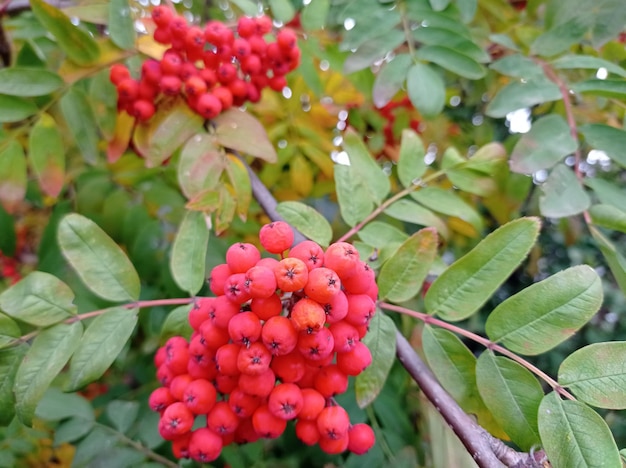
x: 277, y: 343
x: 213, y: 67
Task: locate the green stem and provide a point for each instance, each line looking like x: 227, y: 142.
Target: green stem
x: 95, y: 313
x: 429, y: 319
x: 140, y: 447
x: 383, y: 206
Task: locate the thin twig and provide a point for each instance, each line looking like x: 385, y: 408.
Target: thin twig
x: 429, y: 319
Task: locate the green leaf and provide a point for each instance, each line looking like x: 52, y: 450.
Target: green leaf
x: 81, y: 122
x: 473, y: 175
x: 248, y: 7
x: 56, y: 405
x: 604, y: 88
x: 14, y: 109
x: 241, y: 131
x: 13, y: 176
x: 567, y: 62
x: 518, y: 66
x: 122, y: 414
x: 470, y: 281
x: 454, y: 365
x: 307, y: 220
x: 10, y: 360
x: 609, y: 217
x: 572, y: 434
x: 9, y: 330
x: 439, y: 5
x: 452, y: 60
x: 449, y: 203
x: 282, y: 10
x: 608, y: 192
x: 171, y: 126
x: 596, y: 374
x: 452, y: 38
x: 381, y: 341
x: 548, y: 141
x: 100, y: 263
x: 426, y: 89
x: 200, y: 165
x: 467, y: 8
x: 39, y: 299
x: 562, y: 195
x: 72, y: 430
x: 46, y: 154
x: 559, y: 38
x: 512, y: 394
x: 611, y: 140
x: 411, y: 212
x: 372, y: 51
x: 390, y: 78
x: 402, y: 275
x: 47, y: 356
x: 379, y: 234
x: 26, y: 82
x: 615, y: 260
x: 102, y: 342
x: 240, y: 182
x: 121, y: 27
x: 411, y: 165
x: 522, y: 94
x: 188, y: 258
x: 314, y: 15
x: 545, y: 314
x: 176, y: 324
x: 366, y: 167
x: 352, y: 194
x: 77, y: 43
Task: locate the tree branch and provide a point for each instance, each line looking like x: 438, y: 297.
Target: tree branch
x: 487, y: 451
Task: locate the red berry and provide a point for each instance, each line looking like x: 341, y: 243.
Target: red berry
x: 205, y: 445
x: 361, y: 438
x: 200, y: 396
x: 333, y: 422
x: 266, y: 424
x: 118, y: 73
x: 323, y: 285
x: 285, y: 401
x: 310, y: 253
x: 279, y: 335
x: 241, y: 257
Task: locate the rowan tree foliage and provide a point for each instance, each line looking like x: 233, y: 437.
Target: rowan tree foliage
x: 312, y: 233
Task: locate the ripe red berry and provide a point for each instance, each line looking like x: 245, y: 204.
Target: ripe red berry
x: 235, y: 288
x: 307, y: 315
x: 218, y: 277
x: 226, y: 359
x: 205, y: 445
x: 162, y: 15
x: 224, y: 95
x: 333, y: 422
x: 200, y: 396
x: 291, y: 274
x: 241, y: 257
x: 310, y: 253
x: 128, y: 89
x: 356, y: 360
x: 170, y: 85
x: 254, y: 359
x: 160, y: 399
x: 265, y: 308
x: 307, y: 431
x: 244, y: 328
x: 361, y: 309
x: 208, y: 106
x: 323, y: 284
x: 276, y: 237
x: 171, y: 63
x: 313, y: 402
x: 316, y: 346
x: 118, y: 73
x: 142, y: 109
x: 177, y: 419
x: 361, y: 438
x: 260, y: 282
x: 331, y: 381
x: 289, y: 367
x: 259, y: 385
x: 342, y: 258
x: 179, y: 384
x: 266, y: 424
x: 336, y: 308
x: 246, y: 26
x: 285, y: 401
x: 242, y: 404
x: 361, y: 281
x: 279, y: 335
x: 222, y: 419
x: 345, y: 336
x: 287, y: 39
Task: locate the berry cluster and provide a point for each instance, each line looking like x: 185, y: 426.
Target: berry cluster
x: 277, y: 343
x: 212, y: 67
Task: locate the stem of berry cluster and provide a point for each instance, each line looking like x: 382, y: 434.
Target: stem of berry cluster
x: 487, y: 451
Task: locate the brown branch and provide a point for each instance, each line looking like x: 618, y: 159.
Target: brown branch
x: 487, y: 451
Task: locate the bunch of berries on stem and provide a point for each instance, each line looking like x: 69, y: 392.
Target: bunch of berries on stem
x: 213, y: 68
x: 276, y: 344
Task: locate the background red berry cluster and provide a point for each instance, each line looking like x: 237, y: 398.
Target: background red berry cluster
x: 277, y: 343
x: 213, y: 67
